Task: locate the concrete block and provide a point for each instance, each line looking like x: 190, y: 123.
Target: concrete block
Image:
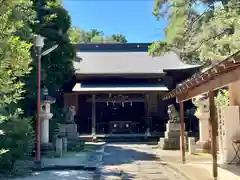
x: 191, y: 145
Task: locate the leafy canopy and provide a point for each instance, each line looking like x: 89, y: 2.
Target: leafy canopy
x: 212, y: 34
x: 77, y: 36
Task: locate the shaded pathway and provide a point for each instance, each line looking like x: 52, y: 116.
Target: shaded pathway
x: 60, y: 175
x: 135, y: 162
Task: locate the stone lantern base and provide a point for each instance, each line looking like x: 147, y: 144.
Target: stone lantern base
x: 46, y: 149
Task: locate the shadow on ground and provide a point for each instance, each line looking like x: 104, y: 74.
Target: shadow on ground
x: 232, y: 168
x: 115, y: 157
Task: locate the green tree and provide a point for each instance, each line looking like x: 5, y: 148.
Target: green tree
x: 57, y: 67
x: 199, y: 37
x: 16, y: 134
x: 77, y: 36
x: 119, y: 38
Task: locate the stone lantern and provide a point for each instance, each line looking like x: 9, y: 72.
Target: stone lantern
x: 45, y: 116
x: 202, y: 113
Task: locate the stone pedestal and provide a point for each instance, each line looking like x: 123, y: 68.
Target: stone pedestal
x: 171, y: 138
x: 59, y: 147
x: 204, y: 131
x: 45, y: 116
x: 46, y: 146
x: 68, y: 130
x: 203, y: 115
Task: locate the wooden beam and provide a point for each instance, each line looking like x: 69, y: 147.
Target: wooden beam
x: 182, y: 132
x: 213, y: 121
x: 216, y: 83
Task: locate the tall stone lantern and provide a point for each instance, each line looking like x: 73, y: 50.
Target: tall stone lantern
x: 45, y: 116
x: 202, y: 113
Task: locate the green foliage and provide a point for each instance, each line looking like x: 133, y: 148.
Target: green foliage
x: 77, y: 36
x: 57, y: 67
x: 119, y: 38
x: 18, y: 139
x: 199, y: 37
x: 15, y: 136
x: 222, y: 98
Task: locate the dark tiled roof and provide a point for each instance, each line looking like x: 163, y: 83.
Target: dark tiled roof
x: 124, y: 59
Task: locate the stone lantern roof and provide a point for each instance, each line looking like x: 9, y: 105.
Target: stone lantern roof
x: 45, y: 98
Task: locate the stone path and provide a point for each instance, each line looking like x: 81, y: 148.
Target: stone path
x: 60, y: 175
x: 135, y: 162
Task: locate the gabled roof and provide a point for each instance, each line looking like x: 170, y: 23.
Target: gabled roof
x: 123, y: 59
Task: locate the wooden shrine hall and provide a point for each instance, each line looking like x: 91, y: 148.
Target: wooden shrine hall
x: 118, y: 89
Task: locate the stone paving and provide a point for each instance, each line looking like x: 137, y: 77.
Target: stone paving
x: 135, y: 162
x: 90, y: 159
x: 132, y: 162
x: 60, y: 175
x: 200, y: 164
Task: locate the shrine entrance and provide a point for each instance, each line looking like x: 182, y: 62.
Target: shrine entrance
x: 113, y: 114
x: 120, y: 118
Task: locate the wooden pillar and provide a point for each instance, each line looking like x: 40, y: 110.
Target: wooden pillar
x: 93, y: 114
x: 146, y: 104
x: 182, y: 130
x: 213, y: 121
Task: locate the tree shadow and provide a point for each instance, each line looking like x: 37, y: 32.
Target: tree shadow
x: 117, y: 159
x: 116, y: 155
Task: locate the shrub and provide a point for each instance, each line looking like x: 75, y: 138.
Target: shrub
x: 18, y: 141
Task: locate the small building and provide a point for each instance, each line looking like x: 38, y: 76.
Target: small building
x: 118, y: 88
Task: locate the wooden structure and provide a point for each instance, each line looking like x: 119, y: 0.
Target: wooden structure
x: 218, y: 76
x: 121, y: 85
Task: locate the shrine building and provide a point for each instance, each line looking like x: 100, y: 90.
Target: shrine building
x: 118, y: 89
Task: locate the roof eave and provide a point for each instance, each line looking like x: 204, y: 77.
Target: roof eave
x: 126, y: 75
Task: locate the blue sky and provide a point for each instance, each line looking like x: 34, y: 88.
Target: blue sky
x: 132, y: 18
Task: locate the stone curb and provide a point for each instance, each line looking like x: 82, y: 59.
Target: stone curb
x: 81, y: 167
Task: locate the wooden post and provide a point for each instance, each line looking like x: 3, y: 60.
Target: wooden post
x: 93, y: 114
x: 182, y: 132
x: 213, y: 121
x: 146, y: 102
